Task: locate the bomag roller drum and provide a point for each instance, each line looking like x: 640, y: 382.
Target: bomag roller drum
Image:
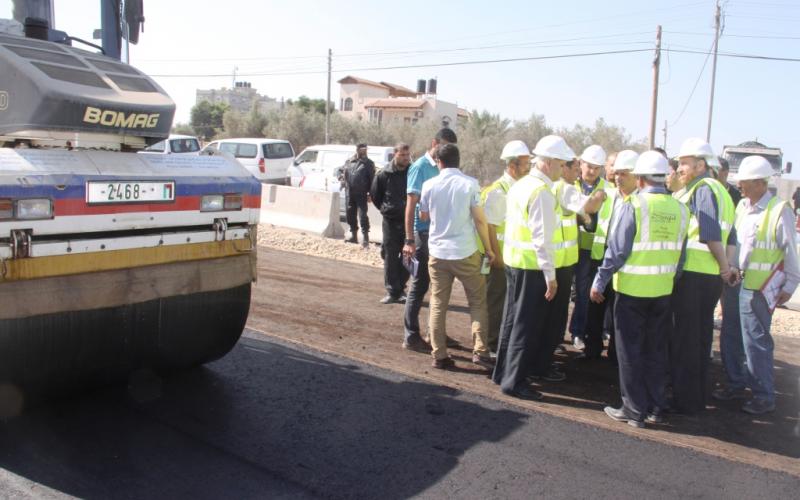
x: 110, y: 261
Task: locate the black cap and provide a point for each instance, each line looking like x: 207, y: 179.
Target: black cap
x: 361, y: 145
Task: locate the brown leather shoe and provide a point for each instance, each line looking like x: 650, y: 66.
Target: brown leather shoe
x: 443, y: 364
x: 417, y: 345
x: 483, y: 362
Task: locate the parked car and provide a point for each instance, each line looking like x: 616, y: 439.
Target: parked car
x: 320, y: 167
x: 267, y: 159
x: 176, y: 145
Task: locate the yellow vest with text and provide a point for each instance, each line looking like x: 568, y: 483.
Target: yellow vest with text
x: 699, y: 258
x: 503, y: 184
x: 565, y: 238
x: 518, y: 249
x: 765, y: 255
x: 604, y: 217
x: 661, y: 227
x: 585, y: 238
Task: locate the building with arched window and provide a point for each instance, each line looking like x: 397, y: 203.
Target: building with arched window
x: 379, y: 102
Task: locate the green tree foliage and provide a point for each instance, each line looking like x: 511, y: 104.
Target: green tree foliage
x: 182, y: 129
x: 481, y: 138
x: 307, y: 104
x: 206, y: 119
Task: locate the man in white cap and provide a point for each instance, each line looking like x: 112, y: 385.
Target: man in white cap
x: 570, y: 205
x: 517, y: 157
x: 699, y: 287
x: 644, y: 253
x: 591, y: 181
x: 599, y: 317
x: 529, y: 253
x: 767, y: 257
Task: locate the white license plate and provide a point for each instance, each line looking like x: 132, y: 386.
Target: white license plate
x: 129, y: 191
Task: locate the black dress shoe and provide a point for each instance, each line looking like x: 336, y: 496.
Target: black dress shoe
x: 526, y: 393
x: 587, y: 357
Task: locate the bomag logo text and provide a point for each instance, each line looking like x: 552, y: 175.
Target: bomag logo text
x: 119, y: 119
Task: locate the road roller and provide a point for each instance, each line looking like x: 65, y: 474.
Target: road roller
x: 111, y: 261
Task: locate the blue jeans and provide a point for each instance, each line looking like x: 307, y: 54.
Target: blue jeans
x: 419, y: 287
x: 746, y: 344
x: 583, y: 282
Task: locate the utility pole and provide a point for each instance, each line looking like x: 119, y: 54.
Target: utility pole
x: 654, y: 108
x: 664, y: 147
x: 713, y: 73
x: 328, y: 103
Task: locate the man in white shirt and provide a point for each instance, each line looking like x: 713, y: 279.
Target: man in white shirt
x: 529, y: 254
x: 767, y: 256
x: 451, y: 201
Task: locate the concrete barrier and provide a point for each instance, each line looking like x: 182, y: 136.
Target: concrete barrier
x: 316, y: 212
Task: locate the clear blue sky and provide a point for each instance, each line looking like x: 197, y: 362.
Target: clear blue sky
x: 754, y: 98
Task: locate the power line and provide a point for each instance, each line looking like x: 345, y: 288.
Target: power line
x: 691, y: 94
x: 432, y: 65
x: 485, y: 61
x: 733, y: 35
x: 404, y: 52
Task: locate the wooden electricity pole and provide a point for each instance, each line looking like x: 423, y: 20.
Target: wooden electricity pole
x: 654, y: 107
x: 328, y: 103
x: 713, y: 74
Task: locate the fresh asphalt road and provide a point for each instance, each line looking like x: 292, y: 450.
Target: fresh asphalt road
x: 272, y: 420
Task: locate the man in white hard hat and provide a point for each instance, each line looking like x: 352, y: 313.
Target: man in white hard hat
x: 571, y: 204
x: 700, y: 285
x: 529, y: 254
x: 517, y: 157
x: 767, y: 257
x: 643, y: 256
x: 599, y: 318
x: 591, y: 181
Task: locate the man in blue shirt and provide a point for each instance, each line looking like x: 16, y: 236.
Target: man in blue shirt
x: 416, y: 243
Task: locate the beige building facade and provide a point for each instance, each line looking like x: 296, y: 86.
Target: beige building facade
x: 381, y: 102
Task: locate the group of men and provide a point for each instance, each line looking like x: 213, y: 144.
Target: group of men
x: 648, y: 248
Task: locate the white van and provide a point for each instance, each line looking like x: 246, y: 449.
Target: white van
x: 175, y: 145
x: 267, y: 159
x: 326, y: 161
x: 320, y: 167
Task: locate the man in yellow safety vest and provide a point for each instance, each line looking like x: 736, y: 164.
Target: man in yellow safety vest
x: 493, y: 198
x: 768, y: 259
x: 598, y: 315
x: 529, y: 254
x: 591, y: 181
x: 699, y: 287
x: 644, y: 254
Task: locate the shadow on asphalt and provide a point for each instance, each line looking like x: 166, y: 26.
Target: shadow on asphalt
x: 265, y: 421
x: 595, y: 384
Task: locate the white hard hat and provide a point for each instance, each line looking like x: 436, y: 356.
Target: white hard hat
x: 651, y: 163
x: 754, y: 167
x: 594, y: 155
x: 694, y: 146
x: 626, y: 160
x: 514, y: 149
x: 553, y: 146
